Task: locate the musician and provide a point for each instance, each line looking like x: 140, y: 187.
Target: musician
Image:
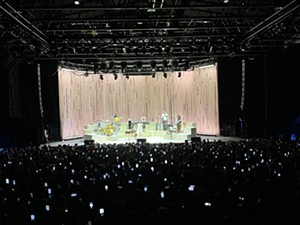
x: 139, y: 129
x: 164, y: 118
x: 178, y: 124
x: 116, y: 122
x: 144, y: 120
x: 157, y: 125
x: 129, y: 124
x: 116, y: 118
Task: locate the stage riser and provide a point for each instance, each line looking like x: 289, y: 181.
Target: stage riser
x: 92, y: 133
x: 179, y: 137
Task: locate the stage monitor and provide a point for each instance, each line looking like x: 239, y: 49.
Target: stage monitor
x: 196, y: 139
x: 88, y: 142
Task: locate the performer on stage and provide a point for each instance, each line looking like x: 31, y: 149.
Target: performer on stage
x: 144, y: 120
x: 129, y: 124
x: 116, y: 118
x: 164, y: 118
x: 178, y: 124
x: 139, y: 129
x: 116, y: 122
x: 157, y: 125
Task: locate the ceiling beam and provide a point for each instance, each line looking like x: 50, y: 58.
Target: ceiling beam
x: 151, y: 19
x: 192, y: 7
x: 270, y: 21
x: 21, y: 21
x: 61, y: 29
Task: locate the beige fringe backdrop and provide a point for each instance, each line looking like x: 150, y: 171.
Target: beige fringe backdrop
x: 87, y: 99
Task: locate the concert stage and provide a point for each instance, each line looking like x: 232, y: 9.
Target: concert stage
x: 152, y: 140
x: 151, y: 132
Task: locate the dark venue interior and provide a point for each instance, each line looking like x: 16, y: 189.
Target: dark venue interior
x: 251, y: 178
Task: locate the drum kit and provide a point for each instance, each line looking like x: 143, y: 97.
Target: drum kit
x: 109, y: 127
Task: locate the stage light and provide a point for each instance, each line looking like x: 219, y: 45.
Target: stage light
x: 175, y: 63
x: 165, y: 75
x: 186, y: 64
x: 165, y: 63
x: 179, y: 74
x: 153, y: 64
x: 151, y: 10
x: 76, y: 2
x: 123, y: 64
x: 139, y: 64
x: 111, y: 65
x: 86, y: 72
x: 103, y: 65
x: 95, y: 68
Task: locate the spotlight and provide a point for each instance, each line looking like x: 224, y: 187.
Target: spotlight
x: 86, y: 72
x: 175, y: 63
x: 103, y: 65
x: 111, y: 65
x: 139, y: 64
x: 165, y: 75
x: 76, y: 2
x: 186, y: 64
x: 165, y: 63
x: 179, y: 74
x: 123, y: 65
x: 95, y: 68
x: 101, y: 77
x: 153, y: 64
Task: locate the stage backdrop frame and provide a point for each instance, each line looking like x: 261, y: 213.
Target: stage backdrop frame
x: 88, y: 99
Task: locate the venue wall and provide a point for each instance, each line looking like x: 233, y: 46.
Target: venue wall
x: 87, y: 99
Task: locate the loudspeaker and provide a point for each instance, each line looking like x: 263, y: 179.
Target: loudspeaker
x: 88, y: 142
x: 195, y: 139
x: 193, y: 132
x: 53, y: 132
x: 141, y: 140
x: 129, y: 124
x: 228, y: 130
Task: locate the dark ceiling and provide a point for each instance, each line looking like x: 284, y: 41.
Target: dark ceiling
x: 151, y: 34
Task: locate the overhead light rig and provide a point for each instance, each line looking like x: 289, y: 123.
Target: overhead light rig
x: 157, y: 30
x: 135, y: 67
x: 26, y: 32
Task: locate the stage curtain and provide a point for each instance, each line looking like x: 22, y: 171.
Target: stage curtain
x: 87, y: 99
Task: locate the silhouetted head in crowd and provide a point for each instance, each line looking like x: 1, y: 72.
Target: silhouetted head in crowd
x: 203, y: 182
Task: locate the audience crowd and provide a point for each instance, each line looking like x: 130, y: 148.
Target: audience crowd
x: 205, y: 182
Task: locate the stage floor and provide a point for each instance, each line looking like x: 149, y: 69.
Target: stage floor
x: 152, y: 140
x: 150, y: 134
